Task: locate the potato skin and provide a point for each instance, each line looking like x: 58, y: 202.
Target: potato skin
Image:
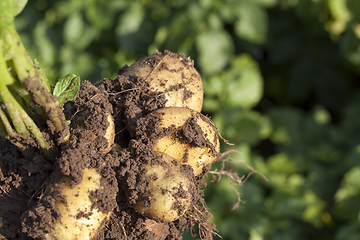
x: 109, y: 134
x: 78, y: 220
x: 175, y: 144
x: 172, y: 75
x: 170, y: 190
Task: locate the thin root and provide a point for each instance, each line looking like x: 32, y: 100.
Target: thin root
x: 218, y: 131
x: 119, y: 224
x: 6, y: 192
x: 234, y: 178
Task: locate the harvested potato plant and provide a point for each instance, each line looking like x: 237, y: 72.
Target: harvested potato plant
x: 130, y: 166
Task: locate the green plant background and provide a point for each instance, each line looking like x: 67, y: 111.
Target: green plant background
x: 281, y: 81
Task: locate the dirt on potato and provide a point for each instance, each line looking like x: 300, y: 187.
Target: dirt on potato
x: 27, y: 209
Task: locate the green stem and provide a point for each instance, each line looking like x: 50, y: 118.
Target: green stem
x: 36, y: 82
x: 12, y: 106
x: 34, y: 130
x: 7, y: 131
x: 8, y: 98
x: 26, y: 95
x: 5, y: 125
x: 24, y: 66
x: 19, y: 95
x: 20, y: 119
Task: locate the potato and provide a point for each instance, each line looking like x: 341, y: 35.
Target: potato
x: 155, y: 227
x: 110, y: 133
x: 91, y: 112
x: 172, y: 75
x: 79, y: 220
x: 191, y: 138
x: 169, y: 194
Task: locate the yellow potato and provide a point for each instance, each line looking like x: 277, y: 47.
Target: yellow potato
x: 169, y: 190
x: 110, y: 133
x: 174, y: 76
x: 78, y: 220
x: 197, y: 156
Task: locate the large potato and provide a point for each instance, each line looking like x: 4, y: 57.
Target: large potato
x: 172, y: 75
x: 190, y: 138
x: 169, y: 192
x: 78, y: 220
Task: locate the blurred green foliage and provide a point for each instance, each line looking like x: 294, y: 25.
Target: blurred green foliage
x: 281, y: 81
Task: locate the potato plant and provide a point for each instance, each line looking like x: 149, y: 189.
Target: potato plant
x: 129, y: 154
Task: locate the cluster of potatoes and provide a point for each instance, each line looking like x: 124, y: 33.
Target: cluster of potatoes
x: 179, y: 135
x: 178, y: 132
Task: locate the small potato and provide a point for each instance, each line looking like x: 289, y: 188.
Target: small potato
x: 79, y: 220
x: 172, y: 75
x: 110, y: 133
x: 169, y: 190
x: 191, y: 139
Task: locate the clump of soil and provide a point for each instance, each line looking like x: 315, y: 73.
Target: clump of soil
x: 27, y: 208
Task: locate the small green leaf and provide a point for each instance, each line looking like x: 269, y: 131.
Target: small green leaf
x: 67, y: 88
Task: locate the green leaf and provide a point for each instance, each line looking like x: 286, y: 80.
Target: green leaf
x: 265, y: 3
x: 349, y: 46
x: 18, y: 6
x: 350, y: 185
x: 77, y: 32
x: 215, y: 50
x: 252, y: 24
x: 130, y: 33
x: 286, y: 122
x: 281, y: 163
x: 67, y: 88
x: 244, y: 82
x: 350, y: 231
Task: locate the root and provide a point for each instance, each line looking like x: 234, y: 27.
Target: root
x: 117, y: 221
x: 218, y: 131
x: 6, y: 192
x: 234, y: 178
x: 127, y: 90
x: 201, y: 216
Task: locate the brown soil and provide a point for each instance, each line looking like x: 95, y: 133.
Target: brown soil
x: 27, y: 184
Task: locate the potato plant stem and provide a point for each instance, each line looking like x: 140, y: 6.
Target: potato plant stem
x: 12, y: 106
x: 6, y: 128
x: 23, y: 124
x: 23, y: 64
x: 36, y: 82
